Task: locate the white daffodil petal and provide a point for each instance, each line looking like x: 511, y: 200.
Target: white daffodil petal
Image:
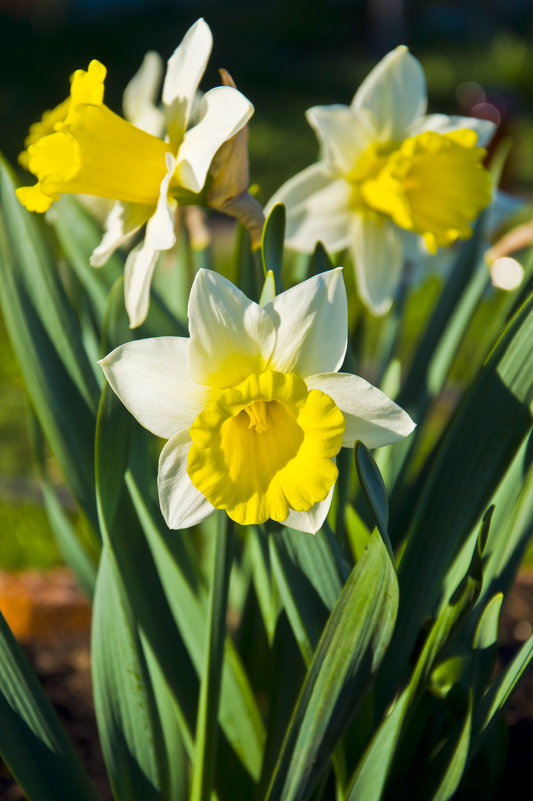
x: 318, y: 202
x: 139, y: 99
x: 310, y: 521
x: 343, y: 132
x: 184, y: 71
x: 231, y: 336
x: 395, y: 92
x: 370, y: 415
x: 123, y: 221
x: 442, y: 123
x: 181, y: 503
x: 226, y: 111
x: 311, y: 321
x: 378, y: 258
x: 138, y: 272
x: 141, y: 261
x: 160, y: 228
x: 151, y: 378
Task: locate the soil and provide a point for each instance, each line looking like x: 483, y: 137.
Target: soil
x: 63, y: 666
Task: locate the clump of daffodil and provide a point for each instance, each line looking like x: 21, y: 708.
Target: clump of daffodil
x: 83, y: 147
x: 252, y: 404
x: 388, y: 173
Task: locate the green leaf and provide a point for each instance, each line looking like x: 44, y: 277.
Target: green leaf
x: 357, y: 532
x: 176, y: 785
x: 456, y: 766
x: 513, y: 523
x: 79, y: 234
x: 448, y: 344
x: 206, y: 725
x: 374, y: 490
x: 249, y: 275
x: 239, y: 714
x: 272, y: 240
x: 485, y: 643
x: 68, y: 540
x: 257, y: 550
x: 268, y: 293
x: 125, y: 707
x: 352, y: 646
x: 309, y: 580
x: 501, y: 688
x: 475, y: 452
x: 112, y: 441
x: 81, y: 557
x: 25, y: 250
x: 447, y: 323
x: 320, y: 261
x: 33, y: 743
x: 371, y: 773
x: 121, y: 531
x: 47, y: 341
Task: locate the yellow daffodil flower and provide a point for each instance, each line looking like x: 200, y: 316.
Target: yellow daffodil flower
x: 252, y: 404
x: 389, y: 175
x: 84, y: 147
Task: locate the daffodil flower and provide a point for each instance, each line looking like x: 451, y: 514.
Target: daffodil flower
x: 83, y: 147
x: 252, y: 404
x: 388, y: 172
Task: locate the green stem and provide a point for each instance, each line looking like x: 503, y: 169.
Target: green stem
x: 206, y: 725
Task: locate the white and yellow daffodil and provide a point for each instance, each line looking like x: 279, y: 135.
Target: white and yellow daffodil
x: 252, y: 404
x: 83, y: 147
x: 388, y: 172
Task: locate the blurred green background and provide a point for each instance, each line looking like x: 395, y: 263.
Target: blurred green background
x: 285, y: 55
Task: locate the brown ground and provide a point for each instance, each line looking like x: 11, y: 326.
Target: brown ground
x: 63, y: 666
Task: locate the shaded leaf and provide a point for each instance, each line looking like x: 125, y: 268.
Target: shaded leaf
x: 351, y: 647
x: 33, y: 743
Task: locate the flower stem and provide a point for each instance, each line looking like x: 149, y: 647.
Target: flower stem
x: 206, y: 724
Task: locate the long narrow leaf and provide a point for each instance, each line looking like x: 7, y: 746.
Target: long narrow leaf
x: 125, y: 707
x: 206, y: 727
x: 60, y: 381
x: 309, y: 575
x: 32, y: 741
x: 239, y: 714
x: 479, y: 445
x: 272, y: 240
x: 349, y: 652
x: 371, y: 774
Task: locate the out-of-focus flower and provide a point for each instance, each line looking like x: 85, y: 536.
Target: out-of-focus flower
x: 83, y: 147
x: 252, y: 404
x: 140, y: 95
x: 387, y: 172
x: 506, y: 273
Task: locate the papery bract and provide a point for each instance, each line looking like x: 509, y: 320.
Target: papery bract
x: 252, y: 404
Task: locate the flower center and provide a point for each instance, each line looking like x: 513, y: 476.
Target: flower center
x: 257, y: 412
x: 265, y: 447
x: 368, y: 166
x: 433, y: 184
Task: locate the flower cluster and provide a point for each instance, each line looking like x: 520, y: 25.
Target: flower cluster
x: 252, y: 404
